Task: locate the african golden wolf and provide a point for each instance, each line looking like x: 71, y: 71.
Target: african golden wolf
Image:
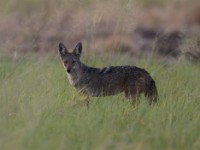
x: 106, y: 81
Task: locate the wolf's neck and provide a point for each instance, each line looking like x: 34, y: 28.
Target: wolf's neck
x: 76, y: 77
x: 88, y: 70
x: 84, y: 67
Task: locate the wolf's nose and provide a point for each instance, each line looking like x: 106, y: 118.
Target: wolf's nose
x: 68, y: 70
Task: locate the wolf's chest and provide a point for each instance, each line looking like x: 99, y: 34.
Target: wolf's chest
x: 77, y: 81
x: 72, y: 80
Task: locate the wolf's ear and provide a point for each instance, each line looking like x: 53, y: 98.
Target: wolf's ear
x: 62, y: 49
x: 78, y: 49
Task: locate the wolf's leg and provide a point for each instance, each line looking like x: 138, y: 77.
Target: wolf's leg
x: 131, y: 95
x: 87, y: 100
x: 151, y: 93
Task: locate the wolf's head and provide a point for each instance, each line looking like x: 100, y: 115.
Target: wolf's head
x: 71, y: 60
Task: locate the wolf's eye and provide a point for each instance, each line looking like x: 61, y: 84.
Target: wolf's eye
x: 73, y: 62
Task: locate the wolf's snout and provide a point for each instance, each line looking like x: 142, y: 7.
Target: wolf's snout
x: 68, y: 70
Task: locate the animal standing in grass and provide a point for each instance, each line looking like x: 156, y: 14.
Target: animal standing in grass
x: 107, y: 81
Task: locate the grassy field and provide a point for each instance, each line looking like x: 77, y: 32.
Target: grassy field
x: 37, y: 112
x: 37, y: 104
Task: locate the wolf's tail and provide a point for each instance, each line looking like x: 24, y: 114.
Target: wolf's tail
x: 152, y: 92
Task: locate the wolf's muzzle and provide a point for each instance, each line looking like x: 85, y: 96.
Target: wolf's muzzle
x: 68, y: 70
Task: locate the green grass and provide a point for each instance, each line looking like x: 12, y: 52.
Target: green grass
x: 36, y: 110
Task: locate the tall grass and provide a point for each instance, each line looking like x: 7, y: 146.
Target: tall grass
x: 37, y: 111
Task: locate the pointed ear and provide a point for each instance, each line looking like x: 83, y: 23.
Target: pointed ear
x: 62, y: 49
x: 78, y: 49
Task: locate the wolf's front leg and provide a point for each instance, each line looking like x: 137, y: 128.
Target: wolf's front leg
x: 87, y: 100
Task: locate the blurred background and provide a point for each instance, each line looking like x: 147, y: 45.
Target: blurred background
x: 138, y: 28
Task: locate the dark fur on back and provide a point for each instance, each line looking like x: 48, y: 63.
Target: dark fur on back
x: 115, y: 79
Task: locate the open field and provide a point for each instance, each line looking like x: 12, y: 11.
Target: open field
x: 37, y: 112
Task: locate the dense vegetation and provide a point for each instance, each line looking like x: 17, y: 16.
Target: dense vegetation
x: 38, y: 111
